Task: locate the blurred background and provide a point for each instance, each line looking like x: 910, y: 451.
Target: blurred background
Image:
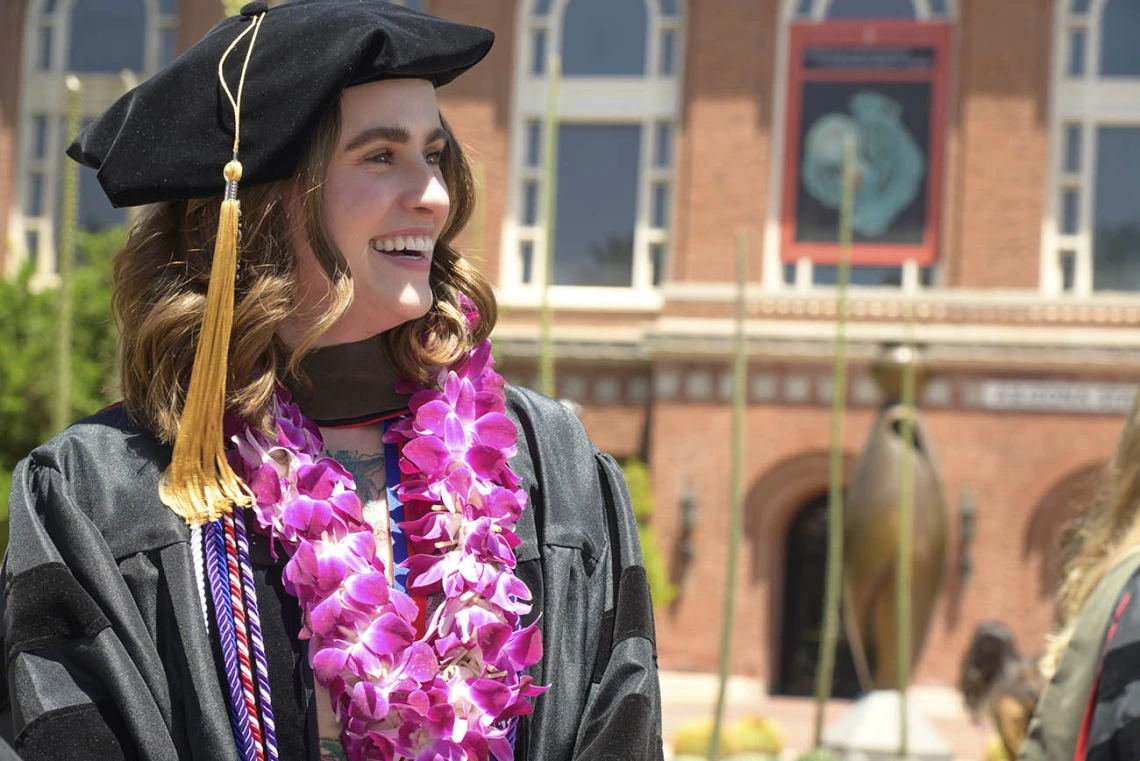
x: 996, y: 213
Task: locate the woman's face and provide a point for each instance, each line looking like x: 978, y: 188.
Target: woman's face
x: 385, y: 204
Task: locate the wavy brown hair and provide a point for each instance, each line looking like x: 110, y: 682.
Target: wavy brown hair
x: 1108, y: 532
x: 161, y: 274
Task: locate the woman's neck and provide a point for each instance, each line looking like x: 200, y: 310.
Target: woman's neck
x: 348, y: 384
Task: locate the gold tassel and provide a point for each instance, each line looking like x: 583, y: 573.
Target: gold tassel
x: 199, y: 484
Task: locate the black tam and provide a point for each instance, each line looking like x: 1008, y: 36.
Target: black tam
x: 169, y: 137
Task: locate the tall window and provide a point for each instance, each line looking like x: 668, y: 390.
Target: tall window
x: 1092, y: 238
x: 110, y: 45
x: 873, y: 71
x: 618, y: 106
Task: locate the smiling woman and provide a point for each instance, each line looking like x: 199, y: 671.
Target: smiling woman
x: 312, y: 529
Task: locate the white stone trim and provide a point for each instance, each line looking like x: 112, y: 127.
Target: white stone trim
x: 42, y: 94
x: 773, y: 266
x: 1088, y: 102
x: 645, y: 101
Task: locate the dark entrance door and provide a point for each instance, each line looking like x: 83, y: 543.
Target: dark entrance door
x: 805, y: 570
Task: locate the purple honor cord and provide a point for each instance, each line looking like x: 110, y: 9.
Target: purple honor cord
x: 220, y: 593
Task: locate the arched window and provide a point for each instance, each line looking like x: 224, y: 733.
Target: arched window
x: 874, y: 70
x: 111, y: 45
x: 1092, y: 235
x: 618, y: 104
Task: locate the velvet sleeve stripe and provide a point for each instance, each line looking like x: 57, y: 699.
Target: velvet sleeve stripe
x: 47, y: 606
x: 627, y: 733
x: 91, y: 730
x: 631, y: 617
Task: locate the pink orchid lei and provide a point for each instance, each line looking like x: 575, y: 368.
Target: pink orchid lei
x: 450, y: 694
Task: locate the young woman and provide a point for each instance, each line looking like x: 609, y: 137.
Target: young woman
x: 1090, y: 708
x: 318, y: 525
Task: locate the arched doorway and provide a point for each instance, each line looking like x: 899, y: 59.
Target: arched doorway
x: 801, y: 627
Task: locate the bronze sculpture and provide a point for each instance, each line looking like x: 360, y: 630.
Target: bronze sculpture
x: 871, y: 530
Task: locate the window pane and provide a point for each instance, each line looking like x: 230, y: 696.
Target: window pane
x: 669, y: 7
x: 542, y: 7
x: 49, y: 7
x: 1069, y: 212
x: 1077, y: 53
x: 534, y: 143
x: 107, y: 36
x: 661, y: 205
x: 668, y: 43
x: 538, y: 47
x: 1116, y: 231
x: 1072, y: 148
x: 663, y: 156
x: 32, y: 241
x: 1068, y: 270
x: 604, y: 37
x: 526, y: 257
x: 871, y: 9
x: 1119, y: 30
x: 891, y: 124
x: 1080, y: 6
x: 46, y: 41
x: 828, y: 274
x: 597, y: 204
x: 803, y: 10
x: 938, y: 8
x: 35, y: 199
x: 657, y: 263
x: 530, y: 203
x: 39, y: 136
x: 790, y: 273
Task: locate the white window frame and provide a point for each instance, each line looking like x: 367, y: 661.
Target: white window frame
x: 1087, y: 102
x: 773, y: 265
x: 646, y: 101
x: 43, y: 94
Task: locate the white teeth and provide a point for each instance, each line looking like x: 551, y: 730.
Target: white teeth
x: 409, y: 243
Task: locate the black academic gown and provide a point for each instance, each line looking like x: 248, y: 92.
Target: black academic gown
x: 107, y: 655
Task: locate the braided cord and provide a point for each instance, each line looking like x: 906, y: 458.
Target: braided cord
x: 199, y: 559
x: 266, y: 704
x: 241, y: 630
x: 219, y: 589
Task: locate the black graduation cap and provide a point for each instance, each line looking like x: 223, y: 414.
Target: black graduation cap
x: 169, y: 137
x: 240, y: 106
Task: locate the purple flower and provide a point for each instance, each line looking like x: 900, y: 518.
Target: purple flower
x: 448, y: 694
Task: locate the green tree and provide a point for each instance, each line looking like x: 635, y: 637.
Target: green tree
x: 641, y: 495
x: 28, y: 324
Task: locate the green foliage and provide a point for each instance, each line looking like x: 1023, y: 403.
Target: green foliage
x: 752, y: 737
x: 819, y: 754
x: 641, y: 495
x: 28, y: 325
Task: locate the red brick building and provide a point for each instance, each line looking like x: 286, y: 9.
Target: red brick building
x: 998, y: 206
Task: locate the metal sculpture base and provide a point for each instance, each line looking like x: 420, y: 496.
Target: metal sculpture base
x: 870, y: 732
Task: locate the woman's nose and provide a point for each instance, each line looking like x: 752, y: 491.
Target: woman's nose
x: 428, y: 194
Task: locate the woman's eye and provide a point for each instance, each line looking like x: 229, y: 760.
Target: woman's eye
x: 383, y: 157
x: 435, y: 157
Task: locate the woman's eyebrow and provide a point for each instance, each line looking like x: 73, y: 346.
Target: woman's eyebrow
x: 390, y: 133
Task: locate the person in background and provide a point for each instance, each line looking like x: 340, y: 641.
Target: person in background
x: 1091, y: 705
